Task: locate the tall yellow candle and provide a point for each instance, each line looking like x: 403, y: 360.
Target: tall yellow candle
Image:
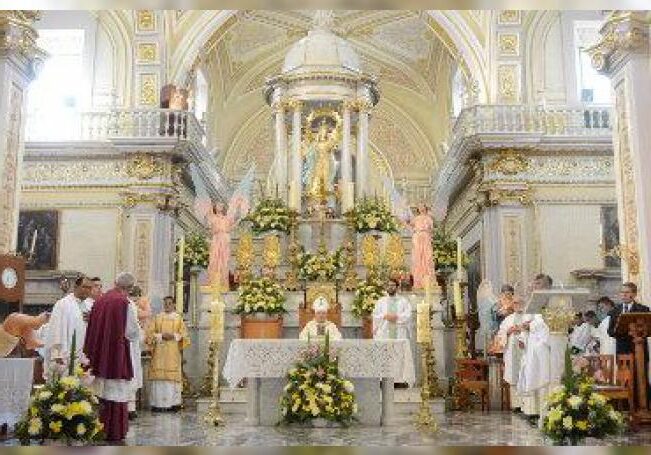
x: 179, y: 276
x: 217, y: 321
x: 423, y: 329
x: 458, y: 300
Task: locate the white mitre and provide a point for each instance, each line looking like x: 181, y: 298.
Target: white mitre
x: 320, y: 305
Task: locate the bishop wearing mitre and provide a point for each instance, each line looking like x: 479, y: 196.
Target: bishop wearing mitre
x: 319, y: 326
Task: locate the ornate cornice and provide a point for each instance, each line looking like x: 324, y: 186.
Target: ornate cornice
x: 624, y: 34
x: 18, y: 40
x: 515, y: 193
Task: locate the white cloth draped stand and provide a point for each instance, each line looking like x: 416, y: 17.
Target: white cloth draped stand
x: 16, y: 377
x: 358, y: 359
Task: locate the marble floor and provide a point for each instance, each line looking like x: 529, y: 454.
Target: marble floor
x: 455, y: 429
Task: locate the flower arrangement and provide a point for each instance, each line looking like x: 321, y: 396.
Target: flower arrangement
x: 316, y: 390
x: 372, y: 215
x: 321, y: 265
x: 260, y: 295
x: 445, y: 251
x: 367, y: 293
x: 196, y: 251
x: 63, y: 409
x: 575, y: 410
x: 271, y: 214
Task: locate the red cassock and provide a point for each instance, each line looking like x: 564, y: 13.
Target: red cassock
x: 107, y: 349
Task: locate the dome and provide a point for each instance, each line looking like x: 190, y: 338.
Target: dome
x: 321, y: 50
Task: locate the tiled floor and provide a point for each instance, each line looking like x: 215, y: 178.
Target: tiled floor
x: 475, y: 428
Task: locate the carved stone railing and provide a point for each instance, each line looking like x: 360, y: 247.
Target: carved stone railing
x: 514, y: 126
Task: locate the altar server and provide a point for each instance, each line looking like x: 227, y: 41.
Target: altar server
x: 167, y: 336
x: 111, y: 329
x: 507, y: 338
x: 67, y: 318
x: 606, y: 342
x: 582, y: 334
x: 392, y: 315
x: 317, y: 328
x: 136, y: 351
x: 534, y: 369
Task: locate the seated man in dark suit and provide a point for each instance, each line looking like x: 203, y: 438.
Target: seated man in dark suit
x: 629, y: 304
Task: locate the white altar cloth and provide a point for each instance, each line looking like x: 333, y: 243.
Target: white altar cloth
x: 16, y: 377
x: 362, y: 360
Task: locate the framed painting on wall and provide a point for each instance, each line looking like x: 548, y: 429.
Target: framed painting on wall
x: 38, y: 238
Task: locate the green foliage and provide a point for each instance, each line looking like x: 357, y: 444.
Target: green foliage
x: 316, y: 390
x: 367, y: 294
x: 271, y: 214
x: 196, y: 251
x: 445, y: 250
x: 575, y: 411
x: 372, y: 215
x: 260, y: 295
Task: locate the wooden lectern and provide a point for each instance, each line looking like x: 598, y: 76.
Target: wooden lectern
x: 638, y: 327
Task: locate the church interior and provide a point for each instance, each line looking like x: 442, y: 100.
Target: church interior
x: 327, y: 227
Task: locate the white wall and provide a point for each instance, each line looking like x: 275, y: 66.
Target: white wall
x: 569, y: 239
x: 88, y: 241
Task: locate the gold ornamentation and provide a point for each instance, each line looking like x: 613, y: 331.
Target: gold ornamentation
x: 508, y: 83
x: 461, y: 342
x: 508, y: 44
x: 10, y: 170
x: 558, y: 314
x: 146, y: 20
x: 395, y: 254
x: 325, y: 290
x: 141, y: 251
x: 425, y: 420
x: 508, y: 17
x: 18, y: 36
x: 144, y: 166
x: 370, y: 252
x: 245, y: 256
x: 512, y: 248
x: 510, y: 162
x: 271, y: 253
x: 148, y: 89
x: 147, y: 53
x: 350, y: 264
x: 506, y: 196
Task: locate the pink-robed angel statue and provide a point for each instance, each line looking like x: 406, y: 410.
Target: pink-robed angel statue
x: 422, y: 264
x: 221, y: 221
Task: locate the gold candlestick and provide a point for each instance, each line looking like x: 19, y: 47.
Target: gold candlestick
x: 211, y: 381
x: 179, y: 276
x: 425, y: 420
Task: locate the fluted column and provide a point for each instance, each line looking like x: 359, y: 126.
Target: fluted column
x: 623, y: 54
x: 346, y: 184
x: 295, y: 161
x: 280, y: 172
x: 361, y: 177
x: 19, y: 58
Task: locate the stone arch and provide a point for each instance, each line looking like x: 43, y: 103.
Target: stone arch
x: 535, y: 40
x: 117, y: 27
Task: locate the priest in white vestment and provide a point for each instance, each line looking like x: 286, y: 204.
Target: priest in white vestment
x: 135, y: 350
x: 607, y: 345
x: 317, y: 328
x: 67, y: 318
x: 95, y: 293
x: 392, y: 315
x: 507, y: 337
x: 534, y: 369
x: 583, y: 334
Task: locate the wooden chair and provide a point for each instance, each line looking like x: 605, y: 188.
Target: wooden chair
x: 505, y: 390
x: 618, y: 385
x: 472, y: 375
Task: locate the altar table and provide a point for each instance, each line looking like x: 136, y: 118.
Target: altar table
x: 16, y: 377
x: 367, y: 363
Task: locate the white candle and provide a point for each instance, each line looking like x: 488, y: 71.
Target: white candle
x: 217, y: 321
x: 458, y: 300
x: 179, y: 276
x: 33, y: 246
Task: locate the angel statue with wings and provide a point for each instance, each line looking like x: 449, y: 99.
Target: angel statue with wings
x: 221, y: 220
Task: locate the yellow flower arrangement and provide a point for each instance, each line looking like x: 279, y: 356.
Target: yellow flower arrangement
x: 260, y: 295
x: 372, y: 215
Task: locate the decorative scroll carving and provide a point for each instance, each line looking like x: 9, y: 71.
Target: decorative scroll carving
x: 60, y: 173
x: 141, y: 252
x: 148, y: 89
x: 509, y: 162
x: 147, y: 53
x: 144, y: 166
x: 508, y: 83
x: 146, y: 21
x: 513, y: 249
x: 624, y: 32
x: 508, y: 17
x: 508, y: 44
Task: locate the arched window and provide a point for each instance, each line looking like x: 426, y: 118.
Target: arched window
x: 57, y: 95
x: 592, y: 86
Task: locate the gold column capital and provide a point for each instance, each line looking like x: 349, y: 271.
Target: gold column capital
x: 18, y: 39
x: 624, y: 33
x: 294, y: 104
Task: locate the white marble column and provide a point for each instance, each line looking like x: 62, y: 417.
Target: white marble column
x: 19, y: 57
x: 280, y: 172
x: 347, y: 187
x: 361, y: 177
x: 623, y: 54
x: 295, y: 162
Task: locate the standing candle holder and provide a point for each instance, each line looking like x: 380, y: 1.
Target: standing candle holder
x: 211, y: 381
x: 425, y: 420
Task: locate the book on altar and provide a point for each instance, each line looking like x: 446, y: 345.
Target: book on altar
x: 539, y: 298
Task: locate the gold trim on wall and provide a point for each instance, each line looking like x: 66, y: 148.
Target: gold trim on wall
x: 147, y: 53
x: 146, y: 21
x: 148, y: 89
x: 508, y: 44
x: 509, y: 17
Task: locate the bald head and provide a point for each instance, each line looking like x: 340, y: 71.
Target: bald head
x: 125, y: 281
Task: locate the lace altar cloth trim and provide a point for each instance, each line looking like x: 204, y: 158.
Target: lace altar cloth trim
x: 357, y: 359
x: 16, y: 377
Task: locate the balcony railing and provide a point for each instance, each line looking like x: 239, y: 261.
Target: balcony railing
x: 140, y: 124
x: 548, y: 121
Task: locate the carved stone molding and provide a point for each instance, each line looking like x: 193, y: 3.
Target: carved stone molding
x: 624, y: 33
x: 145, y: 166
x: 508, y: 44
x: 141, y: 253
x: 18, y: 38
x: 509, y: 162
x: 551, y: 169
x: 508, y: 82
x: 507, y: 194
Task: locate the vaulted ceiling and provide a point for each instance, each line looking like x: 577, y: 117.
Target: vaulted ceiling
x: 401, y: 48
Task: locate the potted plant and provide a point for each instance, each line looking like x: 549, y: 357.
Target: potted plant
x: 315, y: 393
x: 575, y: 410
x: 261, y: 306
x: 321, y: 265
x: 367, y: 294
